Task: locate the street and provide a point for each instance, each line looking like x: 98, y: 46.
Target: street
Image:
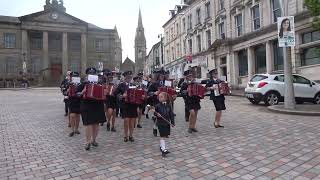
x: 255, y: 144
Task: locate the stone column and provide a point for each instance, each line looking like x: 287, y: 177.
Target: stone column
x: 83, y: 54
x: 251, y: 63
x: 235, y: 70
x: 269, y: 57
x: 229, y: 67
x: 24, y: 48
x: 45, y: 53
x: 64, y: 53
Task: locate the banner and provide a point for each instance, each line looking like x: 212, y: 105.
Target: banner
x: 286, y: 33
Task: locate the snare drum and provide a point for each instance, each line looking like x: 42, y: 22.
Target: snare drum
x: 95, y: 92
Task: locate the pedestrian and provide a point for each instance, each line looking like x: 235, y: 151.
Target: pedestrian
x: 165, y: 119
x: 128, y: 110
x: 64, y: 88
x: 92, y: 112
x: 74, y: 104
x: 215, y: 95
x: 192, y: 103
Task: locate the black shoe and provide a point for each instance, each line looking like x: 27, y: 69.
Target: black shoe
x: 155, y: 132
x: 221, y: 126
x: 66, y: 114
x: 101, y: 124
x: 113, y: 129
x: 125, y: 139
x: 108, y: 127
x: 154, y: 118
x: 147, y: 116
x: 187, y: 119
x: 218, y: 126
x: 131, y: 139
x: 166, y: 151
x: 190, y: 130
x: 194, y: 130
x: 139, y: 126
x: 77, y: 132
x: 95, y: 144
x: 87, y: 147
x: 71, y: 134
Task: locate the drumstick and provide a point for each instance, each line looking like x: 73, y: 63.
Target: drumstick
x: 153, y: 109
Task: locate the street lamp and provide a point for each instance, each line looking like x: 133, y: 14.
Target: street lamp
x: 161, y: 46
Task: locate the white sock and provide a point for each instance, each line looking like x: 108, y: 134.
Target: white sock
x: 162, y: 144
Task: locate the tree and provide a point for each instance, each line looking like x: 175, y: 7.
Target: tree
x: 314, y: 8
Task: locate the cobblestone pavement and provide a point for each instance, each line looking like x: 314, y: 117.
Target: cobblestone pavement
x: 255, y: 144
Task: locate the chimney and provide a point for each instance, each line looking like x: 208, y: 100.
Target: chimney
x: 172, y: 13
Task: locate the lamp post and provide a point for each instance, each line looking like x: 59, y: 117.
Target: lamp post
x: 161, y: 48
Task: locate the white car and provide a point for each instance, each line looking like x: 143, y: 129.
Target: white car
x: 270, y: 89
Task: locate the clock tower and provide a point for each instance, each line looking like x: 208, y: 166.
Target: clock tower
x: 140, y: 46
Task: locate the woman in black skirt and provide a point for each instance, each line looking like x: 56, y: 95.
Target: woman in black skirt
x: 165, y: 119
x: 128, y: 111
x: 74, y: 107
x: 192, y: 103
x: 92, y: 113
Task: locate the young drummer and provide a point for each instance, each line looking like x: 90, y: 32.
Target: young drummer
x: 165, y: 119
x: 217, y: 98
x: 192, y: 102
x: 74, y: 107
x: 128, y: 111
x: 138, y: 82
x: 111, y: 102
x: 92, y: 113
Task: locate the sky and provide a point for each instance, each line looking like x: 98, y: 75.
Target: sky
x: 107, y: 14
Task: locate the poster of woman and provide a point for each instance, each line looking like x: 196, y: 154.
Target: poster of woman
x: 286, y: 35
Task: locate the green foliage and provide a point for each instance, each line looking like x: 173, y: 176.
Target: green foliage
x: 314, y: 8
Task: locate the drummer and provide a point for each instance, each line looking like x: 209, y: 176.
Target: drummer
x: 138, y: 82
x: 111, y: 101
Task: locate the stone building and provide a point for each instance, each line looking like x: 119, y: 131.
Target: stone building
x: 140, y: 46
x: 239, y: 38
x: 128, y: 65
x: 154, y: 59
x: 46, y: 44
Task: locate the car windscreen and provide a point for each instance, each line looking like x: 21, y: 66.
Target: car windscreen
x: 257, y: 78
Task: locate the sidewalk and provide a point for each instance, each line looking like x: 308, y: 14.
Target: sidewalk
x: 304, y: 110
x: 237, y: 92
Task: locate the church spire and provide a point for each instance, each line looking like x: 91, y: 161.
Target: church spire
x: 140, y: 25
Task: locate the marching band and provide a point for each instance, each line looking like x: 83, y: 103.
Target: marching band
x: 98, y: 98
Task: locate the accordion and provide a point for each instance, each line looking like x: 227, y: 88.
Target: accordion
x: 169, y: 90
x: 110, y: 90
x: 197, y: 90
x: 135, y: 96
x: 72, y: 90
x: 224, y: 88
x: 95, y: 92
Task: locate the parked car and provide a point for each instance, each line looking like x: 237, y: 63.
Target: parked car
x: 270, y: 89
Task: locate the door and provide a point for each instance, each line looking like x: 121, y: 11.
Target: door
x: 302, y: 87
x: 56, y: 72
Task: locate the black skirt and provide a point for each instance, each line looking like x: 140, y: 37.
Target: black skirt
x: 111, y: 102
x: 219, y: 103
x: 164, y: 130
x: 74, y: 105
x: 92, y: 112
x: 129, y: 110
x: 192, y: 103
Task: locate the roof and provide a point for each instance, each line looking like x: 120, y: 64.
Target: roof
x: 92, y: 26
x: 127, y: 60
x: 10, y: 19
x: 154, y: 47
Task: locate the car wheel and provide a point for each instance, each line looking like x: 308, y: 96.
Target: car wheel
x: 317, y: 99
x: 253, y: 101
x: 271, y: 99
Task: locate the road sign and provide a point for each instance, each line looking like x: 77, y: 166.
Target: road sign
x: 286, y: 34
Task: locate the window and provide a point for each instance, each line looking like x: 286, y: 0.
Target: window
x: 178, y: 50
x: 311, y: 37
x: 177, y: 29
x: 257, y: 78
x: 221, y: 31
x: 300, y: 80
x: 190, y: 46
x: 199, y: 43
x: 98, y: 45
x: 260, y: 59
x: 256, y: 17
x: 190, y: 21
x: 278, y: 56
x: 199, y: 16
x: 75, y: 65
x: 279, y: 78
x: 9, y: 40
x: 171, y: 31
x: 208, y: 11
x: 243, y: 63
x: 276, y: 9
x: 35, y: 65
x: 11, y: 65
x: 310, y: 56
x: 208, y: 33
x: 36, y: 43
x: 55, y: 43
x: 184, y: 47
x: 221, y: 4
x: 167, y: 37
x: 184, y: 24
x: 239, y: 25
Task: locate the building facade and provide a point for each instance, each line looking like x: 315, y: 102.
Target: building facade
x: 154, y: 59
x: 127, y: 65
x: 239, y: 38
x: 140, y: 46
x: 45, y: 44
